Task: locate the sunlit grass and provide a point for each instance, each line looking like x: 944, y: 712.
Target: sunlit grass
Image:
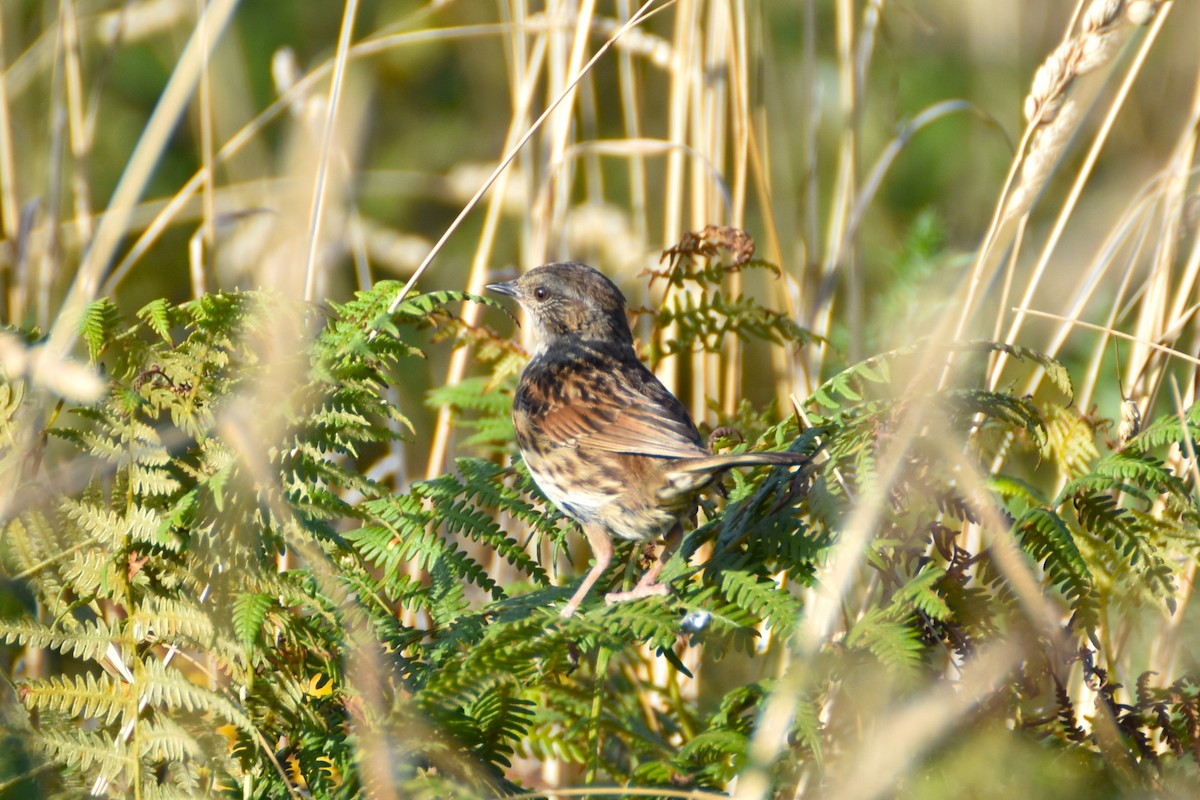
x: 448, y: 143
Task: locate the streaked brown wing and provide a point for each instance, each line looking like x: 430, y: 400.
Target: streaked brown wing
x: 630, y: 412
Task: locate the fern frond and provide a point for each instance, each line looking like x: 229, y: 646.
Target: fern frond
x: 402, y: 537
x: 140, y: 524
x: 32, y: 546
x: 847, y: 386
x: 1014, y: 488
x: 704, y: 321
x: 760, y: 597
x: 489, y: 411
x: 98, y: 325
x: 160, y: 317
x: 1013, y: 412
x: 921, y: 593
x: 249, y: 613
x: 1054, y: 369
x: 896, y: 644
x: 166, y: 687
x: 174, y: 620
x: 1047, y: 539
x: 1167, y: 430
x: 94, y: 753
x: 84, y: 641
x: 1071, y: 440
x: 162, y: 739
x: 89, y: 696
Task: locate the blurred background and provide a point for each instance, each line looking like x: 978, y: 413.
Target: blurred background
x: 942, y: 169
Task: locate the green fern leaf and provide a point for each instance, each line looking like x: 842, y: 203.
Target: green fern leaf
x: 86, y: 641
x: 98, y: 325
x: 88, y: 696
x: 157, y: 314
x: 77, y: 750
x: 1046, y: 538
x: 249, y: 613
x: 842, y: 387
x: 760, y: 597
x: 1054, y: 369
x: 921, y: 593
x: 896, y: 644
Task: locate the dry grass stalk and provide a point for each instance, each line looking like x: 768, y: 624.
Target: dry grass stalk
x: 1053, y: 109
x: 527, y: 59
x: 1149, y: 232
x: 1033, y: 282
x: 1052, y: 112
x: 137, y: 173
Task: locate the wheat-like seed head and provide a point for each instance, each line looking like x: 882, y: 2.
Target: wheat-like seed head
x: 1102, y: 30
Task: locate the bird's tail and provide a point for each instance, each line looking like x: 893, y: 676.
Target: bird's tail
x: 690, y: 474
x: 723, y: 461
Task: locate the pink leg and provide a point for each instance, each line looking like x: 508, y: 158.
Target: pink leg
x: 649, y: 586
x: 602, y: 551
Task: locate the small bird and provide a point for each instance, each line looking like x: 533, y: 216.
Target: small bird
x: 602, y: 437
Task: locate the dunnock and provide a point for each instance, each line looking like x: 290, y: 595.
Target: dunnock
x: 602, y: 437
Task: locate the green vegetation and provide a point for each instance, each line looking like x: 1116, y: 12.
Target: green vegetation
x: 265, y: 532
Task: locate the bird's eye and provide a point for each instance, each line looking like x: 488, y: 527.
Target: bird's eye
x: 541, y: 293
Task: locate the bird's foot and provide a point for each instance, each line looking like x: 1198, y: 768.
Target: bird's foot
x: 637, y: 593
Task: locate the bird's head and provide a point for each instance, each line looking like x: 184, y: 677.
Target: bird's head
x: 569, y: 301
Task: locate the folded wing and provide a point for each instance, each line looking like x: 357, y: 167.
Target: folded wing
x: 626, y: 412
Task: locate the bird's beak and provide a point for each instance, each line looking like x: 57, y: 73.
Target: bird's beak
x: 508, y: 288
